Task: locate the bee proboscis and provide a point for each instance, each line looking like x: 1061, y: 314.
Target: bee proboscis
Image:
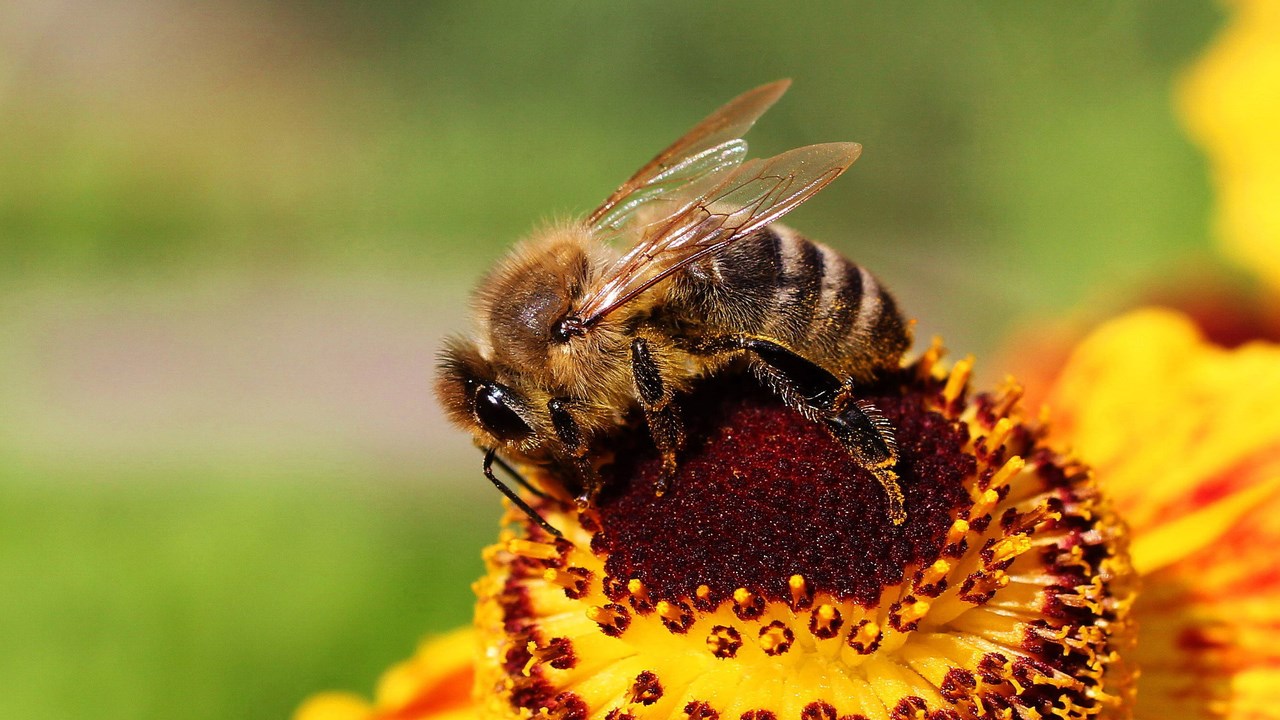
x: 574, y: 334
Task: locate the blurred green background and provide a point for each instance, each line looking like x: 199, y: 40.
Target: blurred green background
x: 232, y: 234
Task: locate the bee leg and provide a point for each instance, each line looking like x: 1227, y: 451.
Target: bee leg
x: 660, y: 414
x: 575, y: 445
x: 511, y: 495
x: 823, y: 398
x: 868, y: 436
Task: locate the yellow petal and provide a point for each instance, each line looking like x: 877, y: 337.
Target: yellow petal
x: 1185, y: 436
x: 334, y: 706
x: 1209, y: 643
x: 436, y: 683
x: 1231, y: 102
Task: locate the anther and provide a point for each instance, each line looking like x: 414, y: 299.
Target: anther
x: 929, y: 360
x: 637, y: 589
x: 696, y: 710
x: 531, y: 549
x: 613, y: 619
x: 980, y: 587
x: 958, y: 530
x: 911, y: 613
x: 983, y: 504
x: 667, y: 610
x: 865, y: 637
x: 958, y: 379
x: 825, y: 622
x: 799, y: 592
x: 936, y: 571
x: 1008, y: 548
x: 558, y: 653
x: 776, y: 638
x: 1010, y: 394
x: 1011, y: 467
x: 703, y: 600
x: 675, y: 618
x: 599, y: 614
x: 640, y: 599
x: 574, y: 583
x: 998, y: 435
x: 724, y: 641
x: 932, y: 580
x: 647, y: 689
x: 747, y: 605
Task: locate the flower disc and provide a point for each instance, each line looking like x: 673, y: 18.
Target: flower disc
x: 771, y: 584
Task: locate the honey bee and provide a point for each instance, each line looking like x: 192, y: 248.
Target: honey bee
x: 573, y: 334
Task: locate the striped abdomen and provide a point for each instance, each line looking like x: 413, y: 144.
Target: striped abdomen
x: 779, y: 286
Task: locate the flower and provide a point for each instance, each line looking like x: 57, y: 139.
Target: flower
x: 1185, y: 436
x: 771, y: 582
x: 1231, y: 103
x: 435, y: 683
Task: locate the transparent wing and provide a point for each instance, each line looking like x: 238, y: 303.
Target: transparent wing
x: 716, y: 211
x: 711, y: 147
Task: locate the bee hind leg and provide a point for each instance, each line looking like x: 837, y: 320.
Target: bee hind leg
x: 665, y: 425
x: 868, y: 436
x: 820, y: 396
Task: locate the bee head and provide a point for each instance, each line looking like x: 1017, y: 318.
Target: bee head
x: 524, y: 301
x: 471, y: 394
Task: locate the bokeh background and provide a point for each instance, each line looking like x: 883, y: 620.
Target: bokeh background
x: 232, y: 235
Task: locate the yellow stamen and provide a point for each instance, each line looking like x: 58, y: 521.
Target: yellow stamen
x: 929, y: 359
x: 958, y: 380
x: 912, y: 612
x: 799, y: 590
x: 935, y: 572
x: 1008, y: 548
x: 825, y: 622
x: 998, y: 434
x: 1012, y: 467
x: 1010, y: 393
x: 776, y: 638
x: 531, y: 549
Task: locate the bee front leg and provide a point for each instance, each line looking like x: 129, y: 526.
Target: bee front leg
x: 575, y: 447
x: 660, y: 413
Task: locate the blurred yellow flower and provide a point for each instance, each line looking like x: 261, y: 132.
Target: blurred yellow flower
x: 1185, y: 437
x: 1231, y: 102
x: 435, y: 683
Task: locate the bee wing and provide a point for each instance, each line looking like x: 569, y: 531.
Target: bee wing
x: 712, y: 146
x: 718, y: 210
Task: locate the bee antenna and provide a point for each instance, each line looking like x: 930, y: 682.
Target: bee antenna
x: 511, y: 495
x: 515, y: 475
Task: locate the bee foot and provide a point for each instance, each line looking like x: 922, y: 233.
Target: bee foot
x: 663, y: 483
x: 889, y: 480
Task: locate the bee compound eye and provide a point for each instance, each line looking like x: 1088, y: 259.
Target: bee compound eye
x: 493, y: 410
